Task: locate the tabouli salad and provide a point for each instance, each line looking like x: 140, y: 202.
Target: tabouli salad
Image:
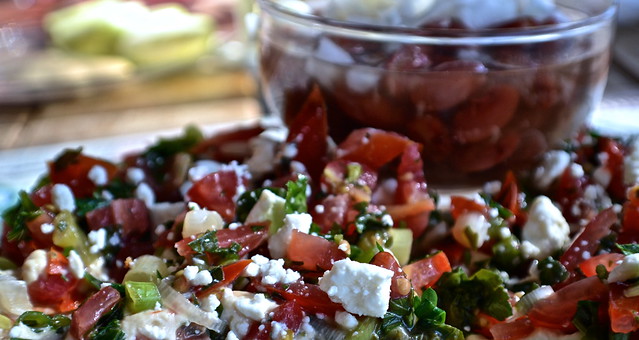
x: 268, y: 233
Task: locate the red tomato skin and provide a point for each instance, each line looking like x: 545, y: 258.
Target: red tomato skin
x: 313, y: 253
x: 75, y: 174
x: 615, y: 151
x: 425, y: 272
x: 623, y: 311
x: 557, y: 311
x: 56, y: 287
x: 587, y: 242
x: 460, y: 205
x: 309, y: 132
x: 514, y: 330
x: 231, y: 272
x: 249, y: 237
x: 288, y: 313
x: 610, y: 261
x: 308, y: 296
x: 630, y: 223
x: 215, y: 147
x: 386, y: 260
x: 372, y: 147
x: 334, y: 211
x: 216, y: 191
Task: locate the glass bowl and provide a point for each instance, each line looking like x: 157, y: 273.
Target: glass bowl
x: 481, y: 101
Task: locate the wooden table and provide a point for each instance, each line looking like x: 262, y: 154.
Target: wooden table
x: 133, y: 108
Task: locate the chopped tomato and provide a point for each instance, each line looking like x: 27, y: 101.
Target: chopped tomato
x: 587, y: 243
x: 334, y: 209
x: 623, y: 310
x: 309, y: 132
x: 249, y: 237
x: 630, y: 223
x: 72, y: 169
x: 460, y: 205
x: 335, y: 180
x: 414, y: 214
x: 217, y: 191
x: 42, y: 196
x: 557, y: 310
x: 231, y: 272
x: 568, y: 193
x: 310, y: 297
x: 289, y: 314
x: 312, y: 253
x: 227, y: 146
x: 425, y: 272
x: 411, y: 184
x: 518, y: 329
x: 372, y: 147
x: 131, y: 215
x: 614, y: 163
x: 511, y: 198
x: 41, y: 239
x: 386, y: 260
x: 609, y: 261
x: 56, y: 287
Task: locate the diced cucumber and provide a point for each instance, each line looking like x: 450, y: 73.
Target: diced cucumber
x: 402, y: 242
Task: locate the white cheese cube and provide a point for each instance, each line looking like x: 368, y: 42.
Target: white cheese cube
x: 626, y: 270
x: 362, y: 288
x: 278, y: 243
x: 546, y: 228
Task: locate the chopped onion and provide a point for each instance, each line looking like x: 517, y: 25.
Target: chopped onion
x: 14, y: 299
x: 528, y: 301
x: 175, y: 301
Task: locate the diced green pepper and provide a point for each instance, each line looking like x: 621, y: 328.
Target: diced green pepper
x: 67, y: 234
x: 141, y: 296
x: 6, y: 264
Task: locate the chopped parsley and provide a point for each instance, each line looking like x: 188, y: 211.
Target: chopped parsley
x: 17, y: 216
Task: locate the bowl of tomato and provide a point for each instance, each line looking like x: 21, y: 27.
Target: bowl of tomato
x: 485, y: 87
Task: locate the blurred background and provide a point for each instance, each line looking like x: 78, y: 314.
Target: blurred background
x: 112, y: 75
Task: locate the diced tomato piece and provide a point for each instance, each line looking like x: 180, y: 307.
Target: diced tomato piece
x: 96, y: 306
x: 630, y: 223
x: 557, y: 310
x: 42, y: 196
x: 216, y: 192
x: 334, y: 210
x: 35, y: 230
x: 568, y: 192
x: 100, y: 218
x: 56, y: 287
x: 373, y: 147
x: 231, y: 272
x: 460, y: 205
x: 309, y: 132
x: 289, y: 313
x: 312, y: 253
x: 415, y: 214
x: 228, y: 146
x: 614, y: 163
x: 310, y: 297
x: 249, y: 237
x: 132, y: 215
x: 73, y: 169
x: 587, y: 243
x: 411, y: 183
x: 511, y: 198
x: 425, y: 272
x: 609, y: 261
x: 386, y: 260
x: 623, y: 311
x: 518, y: 329
x: 334, y: 180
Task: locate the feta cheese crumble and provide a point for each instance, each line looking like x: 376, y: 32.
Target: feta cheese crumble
x: 362, y: 288
x: 98, y: 240
x: 62, y: 197
x: 626, y: 270
x: 272, y: 271
x: 278, y: 243
x: 197, y: 277
x: 98, y: 175
x: 76, y: 265
x: 546, y: 228
x: 34, y: 265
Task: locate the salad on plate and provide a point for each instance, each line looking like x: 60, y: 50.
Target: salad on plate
x: 273, y: 233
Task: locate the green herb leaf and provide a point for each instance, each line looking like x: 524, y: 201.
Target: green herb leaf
x: 365, y: 220
x: 40, y: 322
x: 629, y: 249
x: 462, y: 297
x: 208, y: 243
x: 296, y: 195
x: 586, y: 320
x: 17, y: 216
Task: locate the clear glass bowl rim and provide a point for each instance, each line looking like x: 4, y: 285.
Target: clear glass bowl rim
x: 444, y: 36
